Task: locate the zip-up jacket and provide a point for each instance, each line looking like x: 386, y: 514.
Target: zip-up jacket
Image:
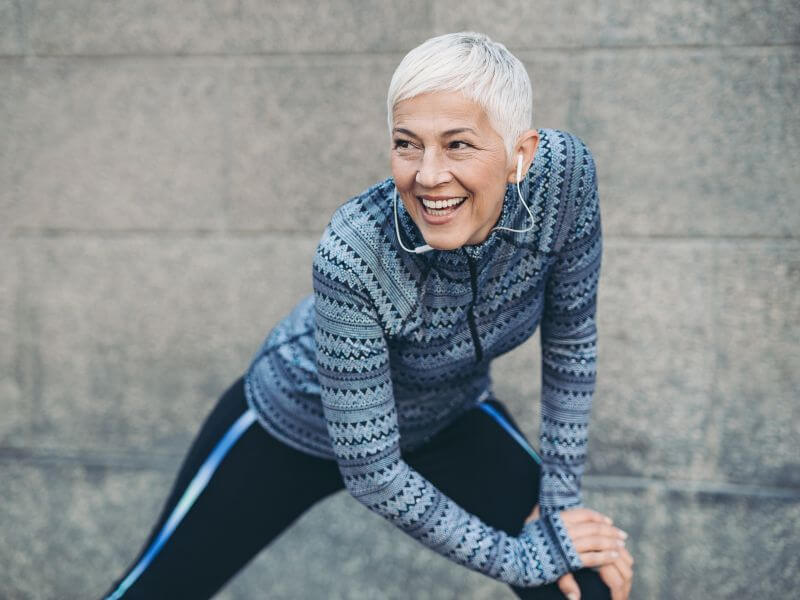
x: 392, y: 347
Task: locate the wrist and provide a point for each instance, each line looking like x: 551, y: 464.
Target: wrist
x: 565, y: 543
x: 549, y: 533
x: 549, y: 508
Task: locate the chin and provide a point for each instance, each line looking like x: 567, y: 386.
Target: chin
x: 445, y: 242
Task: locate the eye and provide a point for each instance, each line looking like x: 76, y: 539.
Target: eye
x: 458, y: 145
x: 401, y: 144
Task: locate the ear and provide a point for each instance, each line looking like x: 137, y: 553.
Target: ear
x: 526, y: 144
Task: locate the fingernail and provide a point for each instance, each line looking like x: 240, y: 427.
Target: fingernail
x: 622, y: 534
x: 609, y: 521
x: 572, y: 596
x: 620, y: 542
x: 614, y: 554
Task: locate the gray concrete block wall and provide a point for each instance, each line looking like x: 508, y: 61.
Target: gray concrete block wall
x: 167, y: 169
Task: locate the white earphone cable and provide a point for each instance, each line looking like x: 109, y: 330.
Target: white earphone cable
x: 529, y: 227
x: 418, y: 249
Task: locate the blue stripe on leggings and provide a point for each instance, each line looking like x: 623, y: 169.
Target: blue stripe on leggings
x: 197, y: 485
x: 488, y: 408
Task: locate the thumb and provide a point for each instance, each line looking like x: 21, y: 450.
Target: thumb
x: 569, y: 587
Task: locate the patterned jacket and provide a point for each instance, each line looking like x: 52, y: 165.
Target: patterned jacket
x: 392, y: 347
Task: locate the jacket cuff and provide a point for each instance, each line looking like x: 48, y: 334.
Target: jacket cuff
x: 574, y: 501
x: 564, y: 541
x: 551, y: 533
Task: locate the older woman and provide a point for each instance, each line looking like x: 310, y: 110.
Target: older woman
x: 379, y: 382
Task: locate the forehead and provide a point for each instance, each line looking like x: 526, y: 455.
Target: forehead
x: 440, y: 111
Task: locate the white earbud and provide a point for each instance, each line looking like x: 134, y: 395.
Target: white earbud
x: 519, y: 193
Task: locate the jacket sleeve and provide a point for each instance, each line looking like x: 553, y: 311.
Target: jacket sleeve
x: 361, y: 417
x: 569, y: 341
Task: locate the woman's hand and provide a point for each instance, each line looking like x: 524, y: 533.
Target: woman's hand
x: 618, y: 576
x: 600, y: 545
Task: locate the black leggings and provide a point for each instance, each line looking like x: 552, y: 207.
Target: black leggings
x: 239, y: 488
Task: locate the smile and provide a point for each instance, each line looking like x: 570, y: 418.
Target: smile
x: 440, y: 207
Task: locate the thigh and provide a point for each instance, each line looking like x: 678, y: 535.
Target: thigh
x: 484, y: 463
x: 479, y: 465
x: 237, y: 490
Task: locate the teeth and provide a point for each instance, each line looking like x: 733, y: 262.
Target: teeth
x: 442, y: 203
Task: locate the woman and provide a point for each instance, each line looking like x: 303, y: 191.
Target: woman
x: 379, y: 382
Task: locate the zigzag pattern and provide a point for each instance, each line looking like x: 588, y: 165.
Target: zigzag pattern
x: 383, y: 356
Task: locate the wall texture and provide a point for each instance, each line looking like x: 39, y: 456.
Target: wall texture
x: 158, y: 167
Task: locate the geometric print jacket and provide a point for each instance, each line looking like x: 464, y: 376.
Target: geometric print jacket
x: 392, y: 347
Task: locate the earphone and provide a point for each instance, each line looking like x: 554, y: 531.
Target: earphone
x: 427, y: 248
x: 519, y: 193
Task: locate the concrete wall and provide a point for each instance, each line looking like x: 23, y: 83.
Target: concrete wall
x: 159, y: 162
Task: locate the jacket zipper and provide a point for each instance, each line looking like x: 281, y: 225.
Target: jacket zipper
x: 473, y: 329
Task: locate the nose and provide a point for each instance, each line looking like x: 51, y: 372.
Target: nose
x: 433, y: 171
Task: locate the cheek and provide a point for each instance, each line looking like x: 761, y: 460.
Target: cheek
x: 490, y: 187
x: 487, y: 176
x: 402, y: 174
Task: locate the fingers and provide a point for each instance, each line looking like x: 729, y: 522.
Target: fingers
x: 614, y: 580
x: 593, y: 543
x: 626, y: 573
x: 599, y: 549
x: 618, y: 576
x: 598, y: 559
x: 601, y: 546
x: 628, y: 588
x: 625, y: 563
x: 569, y: 587
x: 627, y: 557
x: 596, y: 536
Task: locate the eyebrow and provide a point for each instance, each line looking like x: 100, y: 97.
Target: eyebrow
x: 447, y: 133
x: 460, y: 130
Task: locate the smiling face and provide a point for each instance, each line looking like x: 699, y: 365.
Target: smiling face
x: 450, y: 168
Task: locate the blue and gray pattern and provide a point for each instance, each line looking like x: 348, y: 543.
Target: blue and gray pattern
x: 393, y: 346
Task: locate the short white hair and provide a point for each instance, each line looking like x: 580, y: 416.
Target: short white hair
x: 470, y: 63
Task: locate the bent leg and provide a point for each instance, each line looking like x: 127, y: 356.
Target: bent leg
x: 485, y: 464
x: 237, y: 490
